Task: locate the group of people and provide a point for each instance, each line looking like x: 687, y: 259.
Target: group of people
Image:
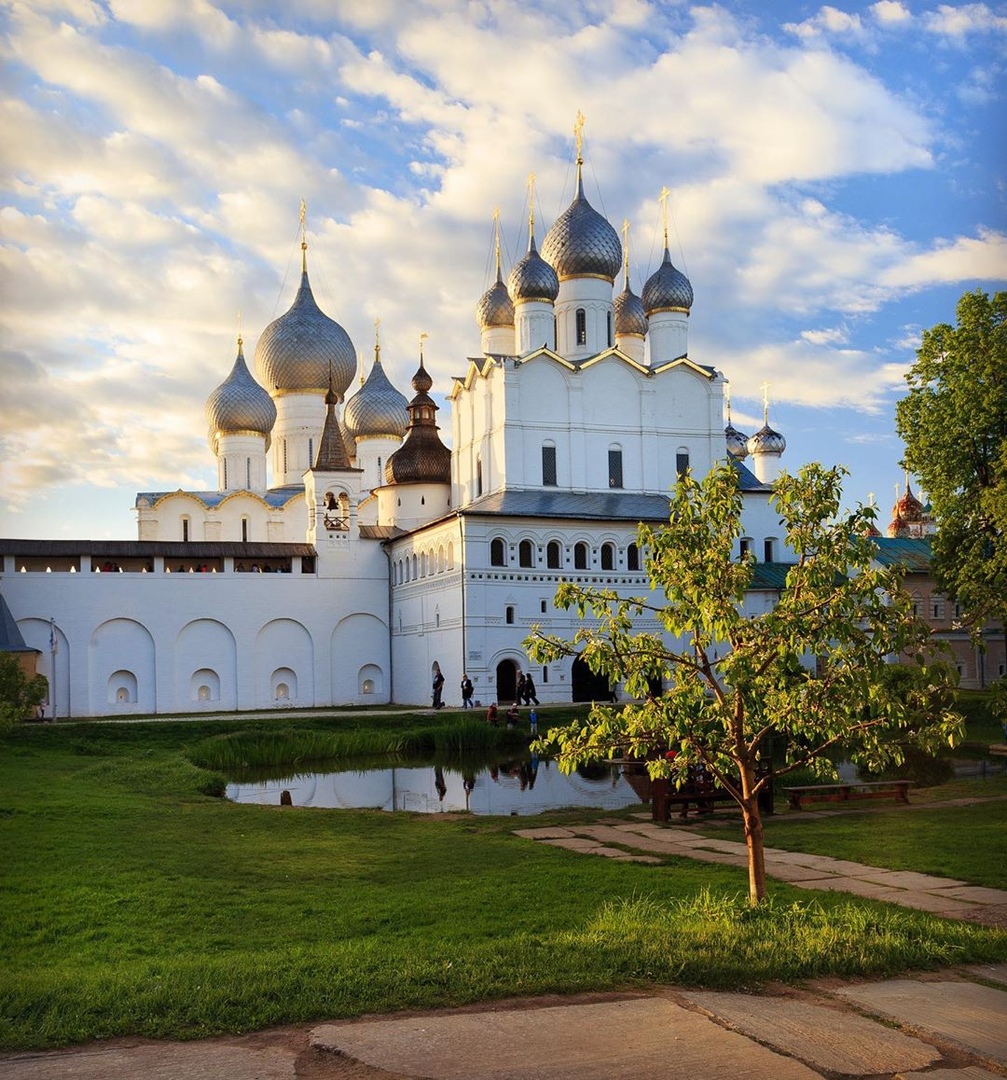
x: 524, y: 693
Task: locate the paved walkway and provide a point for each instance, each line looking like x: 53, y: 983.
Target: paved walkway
x: 645, y: 841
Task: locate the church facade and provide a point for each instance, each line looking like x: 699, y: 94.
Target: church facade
x: 348, y: 554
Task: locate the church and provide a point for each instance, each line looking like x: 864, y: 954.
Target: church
x: 349, y: 553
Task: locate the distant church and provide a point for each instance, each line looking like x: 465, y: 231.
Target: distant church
x: 347, y: 554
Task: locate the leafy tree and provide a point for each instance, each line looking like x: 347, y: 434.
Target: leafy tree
x: 954, y: 425
x: 20, y: 694
x: 732, y: 681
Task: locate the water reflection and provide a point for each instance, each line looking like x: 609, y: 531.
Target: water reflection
x: 518, y: 786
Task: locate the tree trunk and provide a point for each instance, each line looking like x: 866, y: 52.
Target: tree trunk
x: 753, y: 837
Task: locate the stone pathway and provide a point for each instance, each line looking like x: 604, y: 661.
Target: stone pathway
x: 647, y: 842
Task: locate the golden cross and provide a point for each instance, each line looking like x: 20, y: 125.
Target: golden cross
x: 496, y: 233
x: 663, y: 200
x: 531, y: 204
x: 625, y: 250
x: 765, y: 403
x: 578, y: 132
x: 870, y: 498
x: 423, y: 337
x: 304, y: 236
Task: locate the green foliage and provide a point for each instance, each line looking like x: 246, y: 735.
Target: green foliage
x: 733, y: 682
x: 20, y: 694
x: 954, y: 424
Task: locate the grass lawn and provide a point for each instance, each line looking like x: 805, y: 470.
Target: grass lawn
x: 133, y: 903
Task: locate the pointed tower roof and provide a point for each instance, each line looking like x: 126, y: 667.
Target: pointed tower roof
x: 495, y: 307
x: 630, y: 318
x: 667, y: 289
x: 377, y: 408
x: 532, y: 278
x: 422, y: 457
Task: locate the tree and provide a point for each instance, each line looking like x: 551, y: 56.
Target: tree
x: 954, y: 425
x: 731, y: 681
x: 20, y: 694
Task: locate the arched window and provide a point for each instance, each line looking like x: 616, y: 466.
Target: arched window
x: 608, y: 556
x: 498, y: 552
x: 548, y: 465
x: 580, y: 556
x: 610, y: 340
x: 415, y: 565
x: 554, y: 555
x: 526, y: 554
x: 580, y: 318
x: 185, y: 530
x: 440, y: 560
x: 244, y: 530
x: 479, y: 476
x: 682, y: 462
x: 509, y: 614
x: 615, y: 466
x: 769, y: 549
x: 745, y: 545
x: 451, y: 556
x: 632, y: 557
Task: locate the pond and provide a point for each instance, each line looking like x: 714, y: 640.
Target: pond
x: 519, y: 786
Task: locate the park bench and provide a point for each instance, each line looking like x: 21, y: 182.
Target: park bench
x: 879, y: 789
x: 703, y: 794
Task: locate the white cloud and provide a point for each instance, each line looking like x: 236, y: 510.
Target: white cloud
x: 834, y: 335
x: 828, y: 20
x: 891, y: 13
x: 958, y: 21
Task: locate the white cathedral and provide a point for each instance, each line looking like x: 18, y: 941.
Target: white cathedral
x: 348, y: 554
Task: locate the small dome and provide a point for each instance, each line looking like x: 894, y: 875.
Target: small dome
x: 495, y: 307
x: 377, y: 408
x: 737, y: 442
x: 297, y: 351
x: 422, y: 458
x: 239, y: 403
x: 909, y: 508
x: 533, y: 278
x: 630, y: 318
x: 581, y: 243
x: 767, y: 441
x: 667, y: 289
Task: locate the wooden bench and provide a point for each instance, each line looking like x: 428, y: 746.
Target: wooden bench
x: 849, y: 792
x: 704, y: 796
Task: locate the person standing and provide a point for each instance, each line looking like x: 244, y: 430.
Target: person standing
x: 529, y: 690
x: 519, y: 692
x: 467, y: 689
x: 438, y: 687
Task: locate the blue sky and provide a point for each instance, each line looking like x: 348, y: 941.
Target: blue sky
x: 837, y: 174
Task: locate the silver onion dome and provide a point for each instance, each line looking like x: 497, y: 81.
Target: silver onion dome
x: 581, y: 243
x: 239, y: 404
x: 533, y: 278
x: 495, y: 307
x: 303, y: 349
x: 767, y: 441
x: 667, y: 289
x: 737, y: 442
x: 630, y: 318
x: 376, y: 409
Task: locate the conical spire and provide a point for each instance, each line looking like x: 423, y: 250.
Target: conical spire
x: 332, y: 455
x: 422, y: 457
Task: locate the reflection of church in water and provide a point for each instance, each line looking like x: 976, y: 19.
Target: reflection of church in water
x: 347, y: 551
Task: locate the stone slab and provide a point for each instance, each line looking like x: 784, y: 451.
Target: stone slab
x: 977, y: 894
x: 990, y: 972
x: 617, y: 1040
x: 969, y: 1015
x: 543, y: 833
x: 792, y: 872
x: 834, y: 1040
x: 909, y: 879
x: 208, y: 1059
x: 573, y: 843
x: 971, y: 1073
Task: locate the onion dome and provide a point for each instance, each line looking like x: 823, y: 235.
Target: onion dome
x: 299, y: 350
x: 908, y: 508
x: 422, y: 458
x: 767, y: 441
x: 533, y: 278
x: 495, y: 307
x: 377, y: 408
x: 737, y: 442
x: 239, y: 404
x: 581, y: 243
x: 667, y: 289
x: 630, y: 318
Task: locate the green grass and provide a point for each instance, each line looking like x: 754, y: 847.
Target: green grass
x: 132, y: 903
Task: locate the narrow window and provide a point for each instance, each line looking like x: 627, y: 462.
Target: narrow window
x: 608, y: 556
x: 548, y: 466
x: 510, y: 616
x: 283, y: 447
x: 553, y: 555
x: 225, y: 474
x: 542, y: 606
x: 545, y: 673
x: 526, y: 554
x: 248, y: 473
x: 497, y: 552
x: 244, y: 530
x: 185, y: 530
x: 746, y: 546
x: 682, y: 463
x: 581, y: 320
x: 615, y: 468
x: 769, y: 550
x: 610, y: 341
x: 632, y: 557
x: 479, y: 476
x: 311, y: 452
x: 580, y: 556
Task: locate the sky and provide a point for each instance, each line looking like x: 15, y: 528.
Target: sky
x: 838, y: 179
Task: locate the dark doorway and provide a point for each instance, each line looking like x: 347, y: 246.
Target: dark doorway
x: 506, y: 681
x: 587, y: 686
